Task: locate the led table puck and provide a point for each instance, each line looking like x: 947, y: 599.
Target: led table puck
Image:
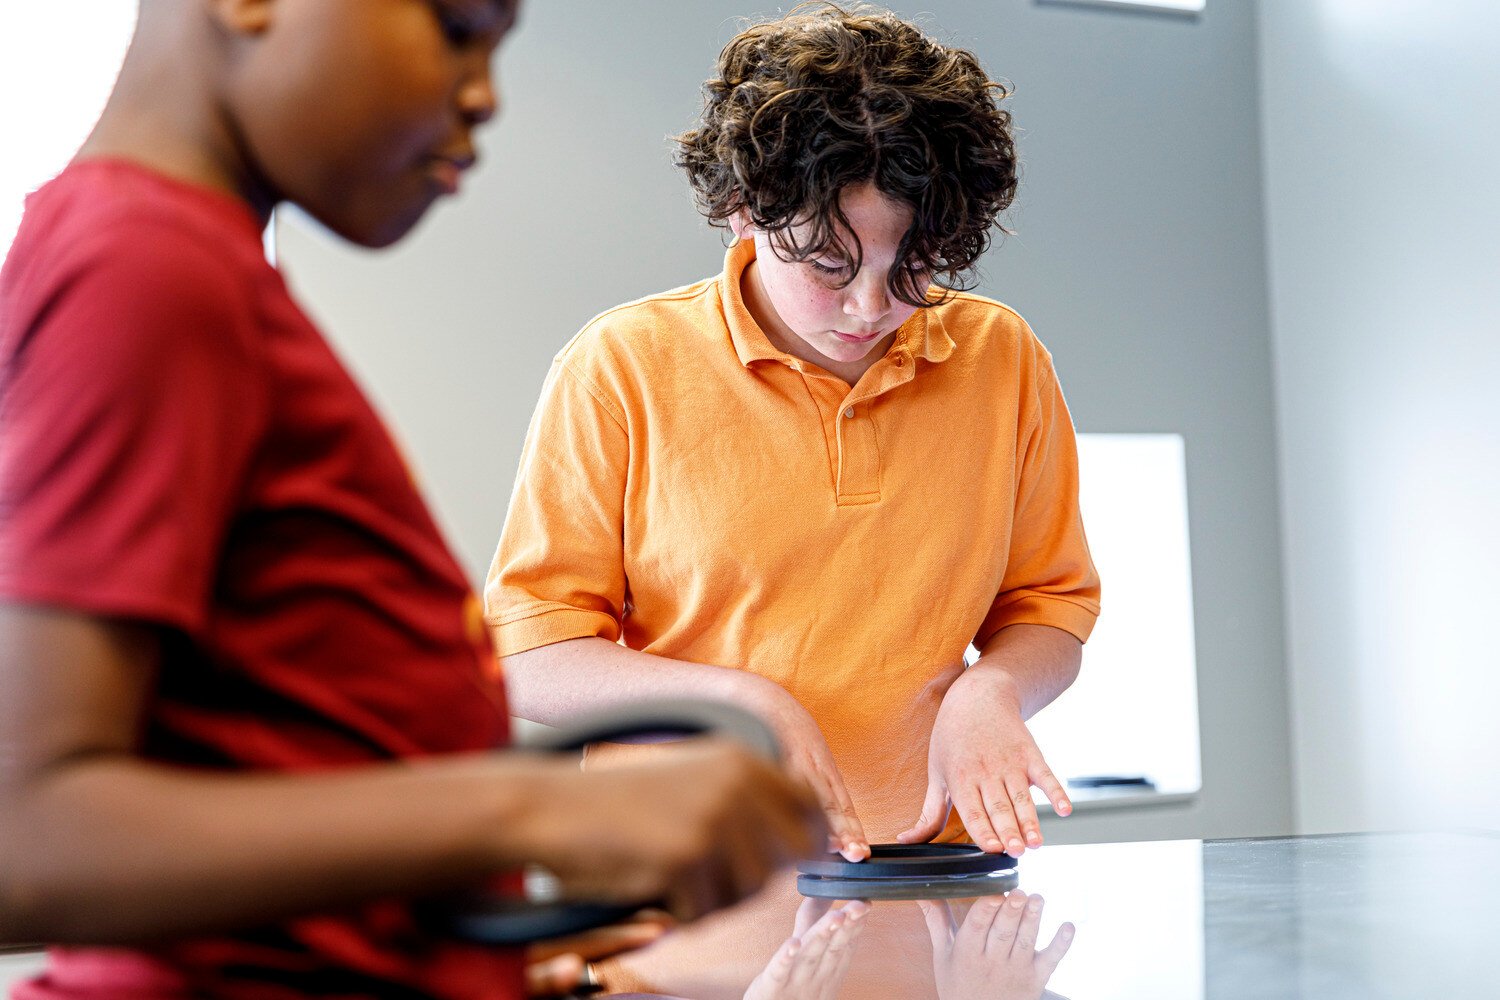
x: 909, y: 871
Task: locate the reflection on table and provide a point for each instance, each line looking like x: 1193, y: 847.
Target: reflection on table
x: 1373, y: 917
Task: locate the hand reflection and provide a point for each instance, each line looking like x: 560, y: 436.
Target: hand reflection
x: 993, y: 953
x: 812, y: 963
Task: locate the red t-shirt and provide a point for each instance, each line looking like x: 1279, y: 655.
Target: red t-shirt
x: 181, y: 447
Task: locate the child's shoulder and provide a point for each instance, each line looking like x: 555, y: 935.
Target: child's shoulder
x: 646, y: 327
x: 985, y: 316
x: 991, y: 334
x: 140, y: 226
x: 112, y: 247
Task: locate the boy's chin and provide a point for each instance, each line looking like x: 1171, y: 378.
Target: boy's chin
x: 376, y: 231
x: 848, y: 353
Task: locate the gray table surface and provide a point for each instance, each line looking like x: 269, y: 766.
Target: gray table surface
x: 1368, y: 916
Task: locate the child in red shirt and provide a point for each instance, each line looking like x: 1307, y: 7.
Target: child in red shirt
x: 215, y: 571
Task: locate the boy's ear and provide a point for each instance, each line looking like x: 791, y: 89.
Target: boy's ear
x: 243, y: 17
x: 740, y: 224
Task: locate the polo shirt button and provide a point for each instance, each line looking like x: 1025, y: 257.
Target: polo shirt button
x: 900, y: 360
x: 849, y: 413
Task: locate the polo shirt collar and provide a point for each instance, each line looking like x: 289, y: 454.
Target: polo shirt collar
x: 750, y: 341
x: 923, y: 336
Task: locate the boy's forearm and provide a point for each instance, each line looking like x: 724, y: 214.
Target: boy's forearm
x: 1036, y: 663
x: 114, y: 849
x: 551, y: 684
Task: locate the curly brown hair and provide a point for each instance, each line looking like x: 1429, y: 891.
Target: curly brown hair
x: 804, y: 106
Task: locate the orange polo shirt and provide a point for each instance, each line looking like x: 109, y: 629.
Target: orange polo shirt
x: 691, y: 491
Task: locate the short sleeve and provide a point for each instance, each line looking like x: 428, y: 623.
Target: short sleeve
x: 559, y: 572
x: 131, y: 403
x: 1049, y: 577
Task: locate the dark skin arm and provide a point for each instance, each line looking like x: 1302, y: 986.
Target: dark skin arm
x: 97, y: 845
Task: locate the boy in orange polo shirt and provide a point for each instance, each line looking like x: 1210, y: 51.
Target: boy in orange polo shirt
x: 810, y: 483
x: 247, y: 701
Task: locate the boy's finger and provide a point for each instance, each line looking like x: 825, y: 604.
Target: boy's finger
x: 555, y: 977
x: 978, y: 923
x: 815, y: 942
x: 1019, y: 789
x: 976, y: 818
x: 939, y: 921
x: 835, y: 813
x: 933, y: 818
x: 637, y: 932
x: 1026, y: 933
x: 1041, y: 776
x: 1049, y: 957
x: 809, y: 911
x: 1007, y: 923
x: 998, y: 808
x: 852, y: 842
x: 842, y: 941
x: 779, y: 970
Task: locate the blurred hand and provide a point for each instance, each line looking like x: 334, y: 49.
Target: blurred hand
x: 983, y: 761
x: 557, y: 968
x: 805, y: 754
x: 812, y: 963
x: 992, y: 955
x: 698, y: 828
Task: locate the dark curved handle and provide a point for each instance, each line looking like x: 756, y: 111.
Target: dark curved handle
x: 679, y: 718
x: 485, y: 918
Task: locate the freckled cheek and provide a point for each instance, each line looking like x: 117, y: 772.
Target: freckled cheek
x: 817, y: 306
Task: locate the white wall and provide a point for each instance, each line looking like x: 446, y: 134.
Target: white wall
x: 1382, y: 145
x: 1139, y: 260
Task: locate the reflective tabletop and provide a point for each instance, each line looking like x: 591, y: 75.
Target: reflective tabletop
x: 1366, y: 915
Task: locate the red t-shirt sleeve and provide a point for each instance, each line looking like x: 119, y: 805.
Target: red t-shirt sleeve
x: 133, y: 396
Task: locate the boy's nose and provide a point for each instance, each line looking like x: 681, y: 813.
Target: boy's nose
x: 478, y: 98
x: 867, y: 300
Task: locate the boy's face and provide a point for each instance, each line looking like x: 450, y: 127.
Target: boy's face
x: 846, y: 325
x: 363, y: 111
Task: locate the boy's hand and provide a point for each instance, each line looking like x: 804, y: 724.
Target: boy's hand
x: 805, y: 754
x: 697, y: 829
x: 983, y: 760
x: 557, y: 967
x: 812, y: 963
x: 993, y: 954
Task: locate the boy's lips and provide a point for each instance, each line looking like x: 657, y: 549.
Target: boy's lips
x: 447, y: 171
x: 856, y: 338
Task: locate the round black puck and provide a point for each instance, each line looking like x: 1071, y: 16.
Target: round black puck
x: 910, y: 862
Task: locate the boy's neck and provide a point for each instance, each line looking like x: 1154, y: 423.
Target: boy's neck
x: 162, y: 115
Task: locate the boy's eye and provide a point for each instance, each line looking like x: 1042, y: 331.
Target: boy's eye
x: 829, y: 266
x: 457, y: 28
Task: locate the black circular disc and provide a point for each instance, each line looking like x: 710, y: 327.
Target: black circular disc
x: 959, y: 887
x: 910, y: 861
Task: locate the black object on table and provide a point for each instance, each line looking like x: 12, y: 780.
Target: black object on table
x: 484, y: 917
x: 909, y: 871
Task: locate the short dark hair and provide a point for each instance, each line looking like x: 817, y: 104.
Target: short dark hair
x: 806, y: 105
